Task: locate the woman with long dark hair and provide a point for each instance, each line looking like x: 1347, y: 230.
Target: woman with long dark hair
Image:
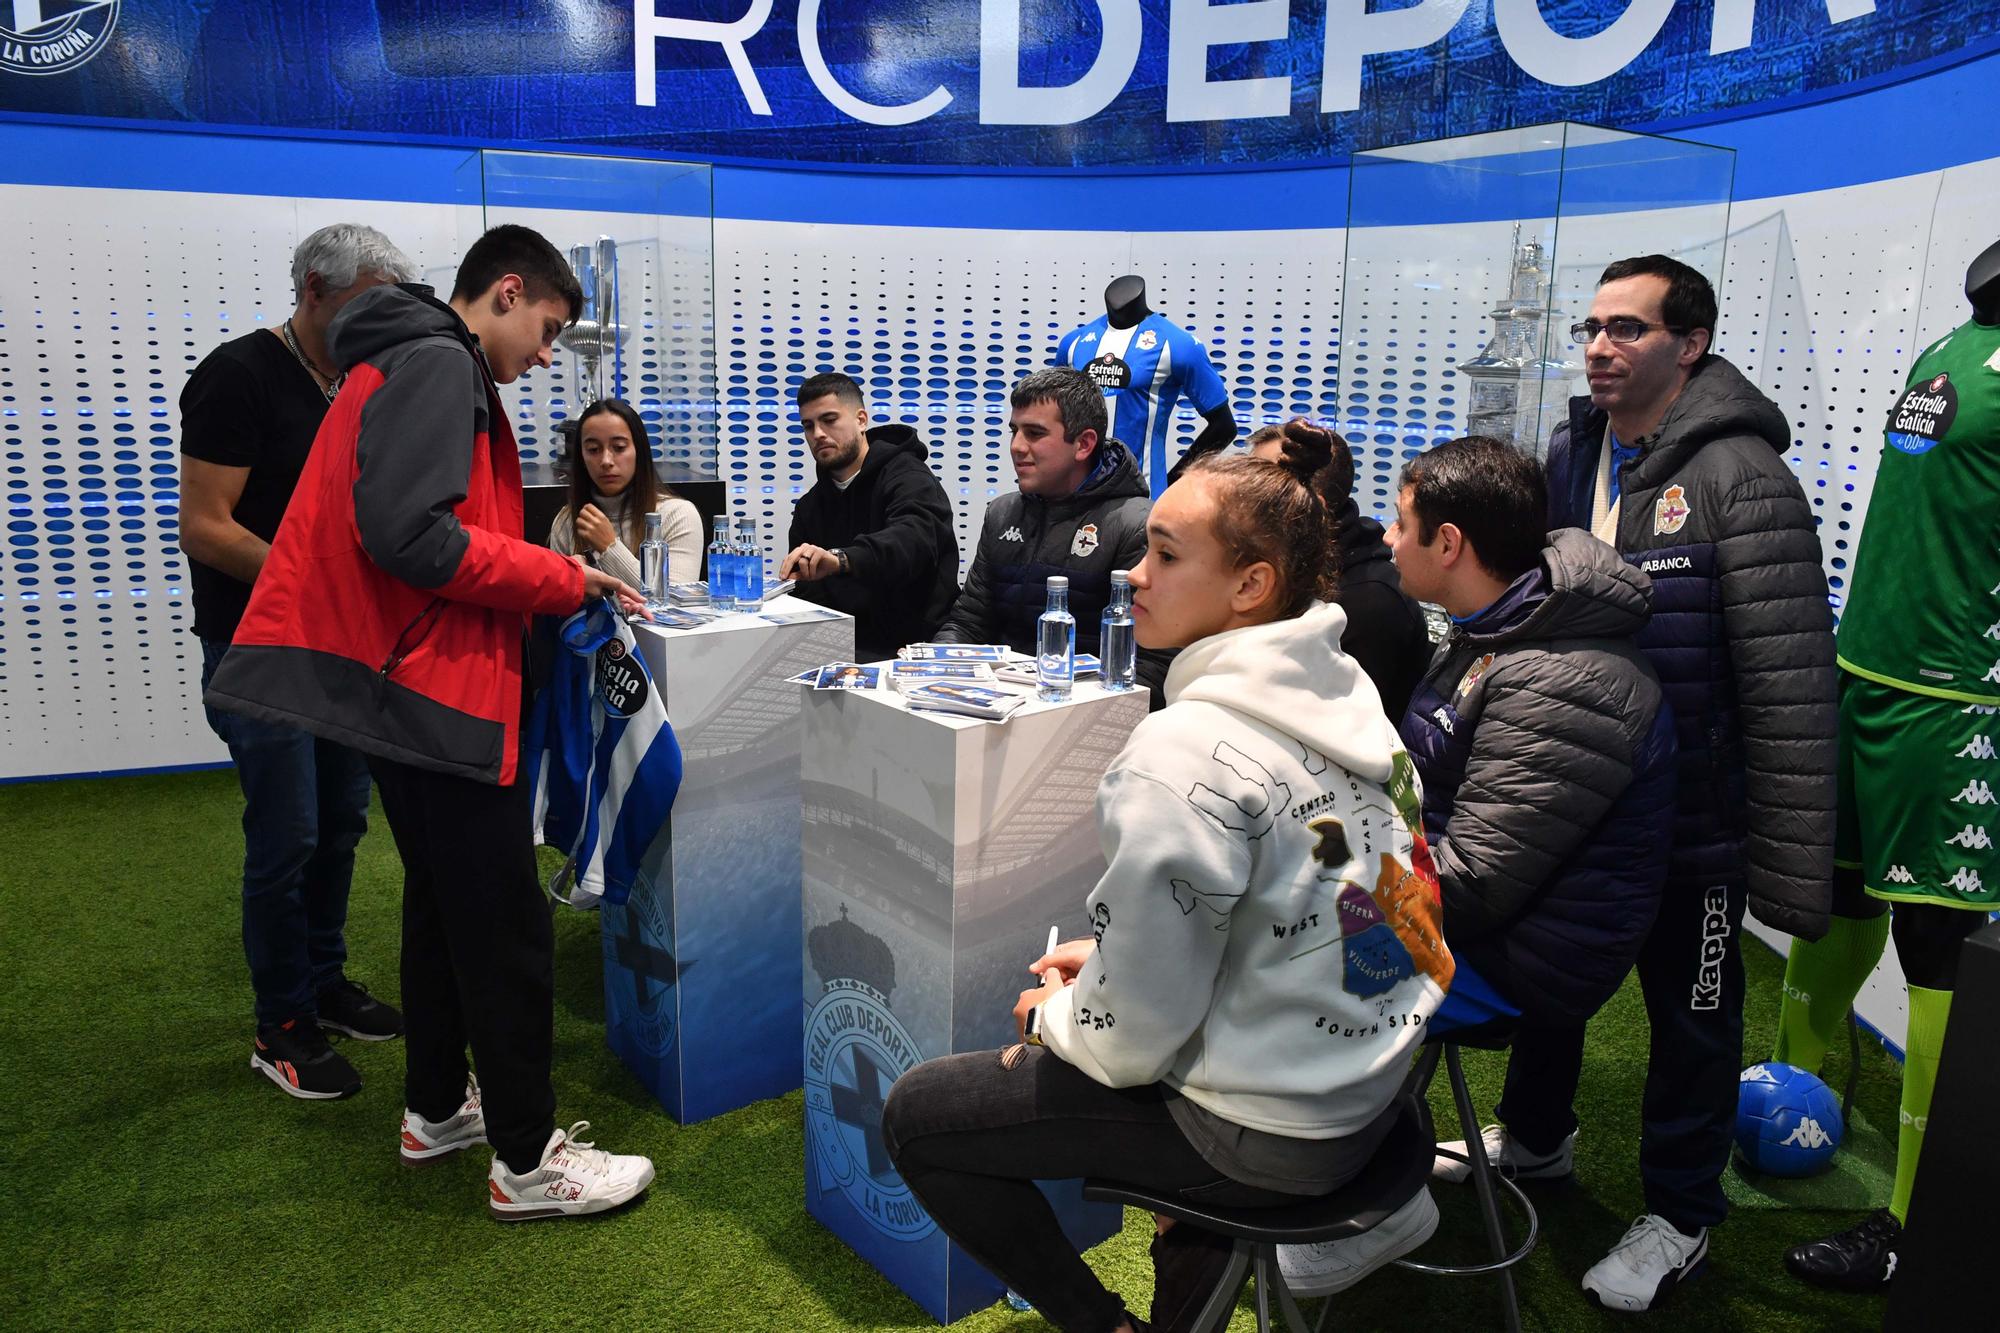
x: 612, y: 487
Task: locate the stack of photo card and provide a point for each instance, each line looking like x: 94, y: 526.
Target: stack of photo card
x: 846, y: 676
x: 688, y: 594
x: 1020, y: 670
x: 980, y: 701
x: 906, y: 675
x: 989, y: 653
x: 675, y: 617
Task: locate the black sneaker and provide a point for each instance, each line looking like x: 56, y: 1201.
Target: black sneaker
x: 1187, y: 1264
x: 346, y: 1006
x: 1861, y: 1258
x: 295, y: 1056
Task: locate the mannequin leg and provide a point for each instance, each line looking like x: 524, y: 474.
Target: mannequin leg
x: 1927, y: 943
x: 1823, y: 976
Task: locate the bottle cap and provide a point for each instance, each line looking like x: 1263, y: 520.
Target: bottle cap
x: 1120, y: 577
x: 1058, y: 583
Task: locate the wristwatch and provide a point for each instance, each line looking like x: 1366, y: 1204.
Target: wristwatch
x: 1031, y: 1028
x: 841, y: 555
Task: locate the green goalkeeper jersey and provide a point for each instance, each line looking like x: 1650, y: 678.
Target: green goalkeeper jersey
x: 1923, y: 613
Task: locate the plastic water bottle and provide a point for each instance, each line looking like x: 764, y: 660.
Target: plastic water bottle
x: 1055, y: 645
x: 1116, y: 648
x: 1016, y: 1301
x: 750, y: 587
x: 653, y: 565
x: 722, y: 567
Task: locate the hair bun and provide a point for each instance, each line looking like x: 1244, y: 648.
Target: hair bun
x: 1306, y: 450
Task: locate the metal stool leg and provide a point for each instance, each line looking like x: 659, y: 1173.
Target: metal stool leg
x: 1264, y: 1266
x: 1214, y: 1316
x: 1482, y: 1181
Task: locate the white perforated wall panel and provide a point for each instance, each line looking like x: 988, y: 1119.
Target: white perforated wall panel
x: 937, y: 325
x: 110, y: 299
x: 1826, y: 298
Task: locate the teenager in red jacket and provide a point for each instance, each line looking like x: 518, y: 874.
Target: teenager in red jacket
x: 390, y: 616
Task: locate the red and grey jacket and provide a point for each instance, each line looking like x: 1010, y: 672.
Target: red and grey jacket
x: 390, y: 613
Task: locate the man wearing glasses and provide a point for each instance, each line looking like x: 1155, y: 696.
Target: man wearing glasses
x: 1678, y: 461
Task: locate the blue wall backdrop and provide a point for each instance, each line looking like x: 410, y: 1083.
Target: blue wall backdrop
x: 952, y: 84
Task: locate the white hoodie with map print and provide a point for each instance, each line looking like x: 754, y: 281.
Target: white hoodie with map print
x: 1268, y: 929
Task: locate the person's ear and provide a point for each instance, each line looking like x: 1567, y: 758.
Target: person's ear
x: 861, y: 417
x: 1694, y: 346
x: 1450, y: 545
x: 1085, y: 442
x: 1256, y: 587
x: 507, y: 292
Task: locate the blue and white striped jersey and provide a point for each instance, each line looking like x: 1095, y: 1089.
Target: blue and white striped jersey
x: 602, y: 757
x: 1145, y: 371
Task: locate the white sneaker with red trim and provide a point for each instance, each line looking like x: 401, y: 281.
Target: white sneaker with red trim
x: 426, y: 1141
x: 574, y: 1178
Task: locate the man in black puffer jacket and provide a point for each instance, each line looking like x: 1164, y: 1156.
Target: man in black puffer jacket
x: 1546, y: 757
x: 1678, y: 461
x: 873, y: 537
x: 1081, y: 512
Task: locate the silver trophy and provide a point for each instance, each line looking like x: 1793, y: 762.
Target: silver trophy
x: 594, y: 339
x: 1509, y: 377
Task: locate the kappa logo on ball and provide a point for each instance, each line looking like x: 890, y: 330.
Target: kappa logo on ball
x: 1086, y: 540
x: 1670, y: 512
x: 54, y: 36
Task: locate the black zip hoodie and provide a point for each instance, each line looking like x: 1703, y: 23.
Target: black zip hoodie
x: 895, y: 524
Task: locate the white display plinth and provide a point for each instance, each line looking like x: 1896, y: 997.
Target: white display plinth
x: 701, y: 963
x: 938, y: 851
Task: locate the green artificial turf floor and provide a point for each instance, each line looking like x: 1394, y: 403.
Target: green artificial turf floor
x: 151, y: 1181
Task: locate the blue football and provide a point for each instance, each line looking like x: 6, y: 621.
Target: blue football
x: 1787, y: 1121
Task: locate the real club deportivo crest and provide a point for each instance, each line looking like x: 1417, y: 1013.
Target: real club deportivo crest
x: 1086, y: 540
x: 1473, y: 675
x: 1670, y: 511
x: 1148, y: 341
x: 54, y: 36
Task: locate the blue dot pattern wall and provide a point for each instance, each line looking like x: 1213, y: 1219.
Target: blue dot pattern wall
x: 109, y: 299
x: 112, y: 296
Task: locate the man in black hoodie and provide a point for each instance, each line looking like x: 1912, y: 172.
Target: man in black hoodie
x: 1386, y: 633
x: 873, y: 536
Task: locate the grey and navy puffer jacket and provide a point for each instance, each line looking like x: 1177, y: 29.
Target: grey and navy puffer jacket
x: 1084, y: 536
x: 1741, y: 635
x: 1547, y: 758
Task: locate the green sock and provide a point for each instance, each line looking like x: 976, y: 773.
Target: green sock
x: 1928, y: 1011
x: 1821, y: 980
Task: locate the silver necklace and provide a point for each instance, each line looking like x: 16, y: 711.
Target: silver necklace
x: 329, y: 387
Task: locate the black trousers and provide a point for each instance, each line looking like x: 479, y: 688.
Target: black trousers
x: 971, y: 1137
x: 1691, y: 973
x: 478, y: 954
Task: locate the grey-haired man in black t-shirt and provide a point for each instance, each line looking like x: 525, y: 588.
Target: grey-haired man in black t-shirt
x: 249, y: 413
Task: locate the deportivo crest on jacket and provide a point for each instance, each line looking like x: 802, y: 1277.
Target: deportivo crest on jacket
x: 1670, y: 511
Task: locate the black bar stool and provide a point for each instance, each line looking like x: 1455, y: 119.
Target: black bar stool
x: 1487, y: 1179
x: 1399, y: 1168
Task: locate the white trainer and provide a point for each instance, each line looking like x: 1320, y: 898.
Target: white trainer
x: 1643, y: 1269
x: 1330, y: 1266
x: 1506, y: 1152
x: 426, y: 1140
x: 575, y: 1177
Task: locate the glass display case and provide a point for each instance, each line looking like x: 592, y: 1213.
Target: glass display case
x: 1468, y: 259
x: 640, y: 236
